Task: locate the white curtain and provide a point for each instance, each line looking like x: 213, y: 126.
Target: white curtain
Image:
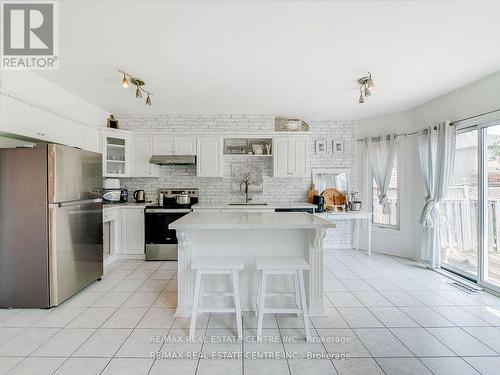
x: 381, y: 152
x: 436, y: 147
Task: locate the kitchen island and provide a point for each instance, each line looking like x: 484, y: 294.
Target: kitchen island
x: 249, y: 235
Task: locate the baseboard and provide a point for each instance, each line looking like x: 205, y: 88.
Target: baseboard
x: 109, y: 260
x: 131, y: 256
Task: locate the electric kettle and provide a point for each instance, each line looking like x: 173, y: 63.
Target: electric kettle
x: 139, y: 196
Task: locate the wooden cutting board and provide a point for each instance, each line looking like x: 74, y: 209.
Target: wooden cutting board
x: 333, y: 197
x: 311, y: 193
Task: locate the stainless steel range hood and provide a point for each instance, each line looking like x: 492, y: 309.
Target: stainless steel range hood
x: 173, y: 159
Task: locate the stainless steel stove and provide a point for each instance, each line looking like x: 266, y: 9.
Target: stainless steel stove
x: 161, y: 242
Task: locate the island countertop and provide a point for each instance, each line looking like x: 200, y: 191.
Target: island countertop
x: 250, y: 220
x: 253, y: 206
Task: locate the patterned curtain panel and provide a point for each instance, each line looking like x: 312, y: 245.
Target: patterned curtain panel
x: 436, y: 146
x: 381, y: 152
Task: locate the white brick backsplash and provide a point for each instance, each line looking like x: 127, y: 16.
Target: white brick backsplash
x: 219, y: 189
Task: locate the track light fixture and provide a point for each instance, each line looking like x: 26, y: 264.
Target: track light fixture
x: 125, y: 81
x: 138, y: 93
x: 361, y: 96
x: 139, y: 86
x: 365, y: 84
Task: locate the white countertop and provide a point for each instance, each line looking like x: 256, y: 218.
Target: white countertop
x: 126, y: 205
x: 270, y: 205
x: 344, y: 215
x: 250, y: 220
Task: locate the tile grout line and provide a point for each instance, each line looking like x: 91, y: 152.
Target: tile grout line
x: 96, y: 329
x: 132, y: 330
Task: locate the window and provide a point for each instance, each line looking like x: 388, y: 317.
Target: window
x: 459, y: 210
x: 390, y: 220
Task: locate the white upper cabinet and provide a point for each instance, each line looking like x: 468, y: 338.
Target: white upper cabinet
x: 35, y: 108
x: 290, y: 157
x: 300, y: 156
x: 21, y: 119
x: 92, y: 139
x: 76, y: 137
x: 209, y: 156
x: 185, y: 145
x: 174, y: 145
x: 116, y: 153
x: 141, y: 153
x: 280, y: 156
x: 163, y: 144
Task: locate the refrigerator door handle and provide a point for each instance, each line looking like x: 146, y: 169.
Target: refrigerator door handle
x: 74, y: 203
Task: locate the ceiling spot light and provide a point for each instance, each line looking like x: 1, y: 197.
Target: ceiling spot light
x: 139, y: 86
x: 125, y: 81
x: 365, y: 84
x: 369, y: 81
x: 361, y: 97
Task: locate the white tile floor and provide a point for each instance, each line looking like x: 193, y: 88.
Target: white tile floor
x: 389, y: 315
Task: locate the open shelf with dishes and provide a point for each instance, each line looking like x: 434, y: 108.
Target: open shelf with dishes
x: 248, y: 146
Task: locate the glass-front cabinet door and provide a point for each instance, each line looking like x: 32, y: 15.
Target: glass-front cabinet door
x: 116, y: 153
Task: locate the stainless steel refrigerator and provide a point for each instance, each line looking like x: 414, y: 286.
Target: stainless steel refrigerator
x: 50, y: 224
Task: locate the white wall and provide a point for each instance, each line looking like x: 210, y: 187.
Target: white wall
x: 391, y: 241
x: 471, y: 100
x: 276, y: 189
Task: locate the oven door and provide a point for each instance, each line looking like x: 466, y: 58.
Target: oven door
x: 161, y: 242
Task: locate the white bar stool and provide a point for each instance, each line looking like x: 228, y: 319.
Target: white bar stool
x: 216, y: 266
x: 282, y: 266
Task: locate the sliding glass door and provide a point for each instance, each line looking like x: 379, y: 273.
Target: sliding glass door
x: 491, y: 180
x: 460, y: 210
x: 470, y: 212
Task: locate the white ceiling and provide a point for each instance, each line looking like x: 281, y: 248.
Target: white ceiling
x: 287, y: 58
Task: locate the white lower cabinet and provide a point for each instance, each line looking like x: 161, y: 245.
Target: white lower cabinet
x: 142, y: 151
x: 209, y: 156
x: 132, y: 233
x: 112, y: 224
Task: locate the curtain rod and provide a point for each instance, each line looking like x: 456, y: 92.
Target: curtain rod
x: 451, y: 124
x: 471, y: 117
x: 396, y: 135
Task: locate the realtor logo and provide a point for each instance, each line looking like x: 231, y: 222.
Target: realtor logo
x: 30, y: 35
